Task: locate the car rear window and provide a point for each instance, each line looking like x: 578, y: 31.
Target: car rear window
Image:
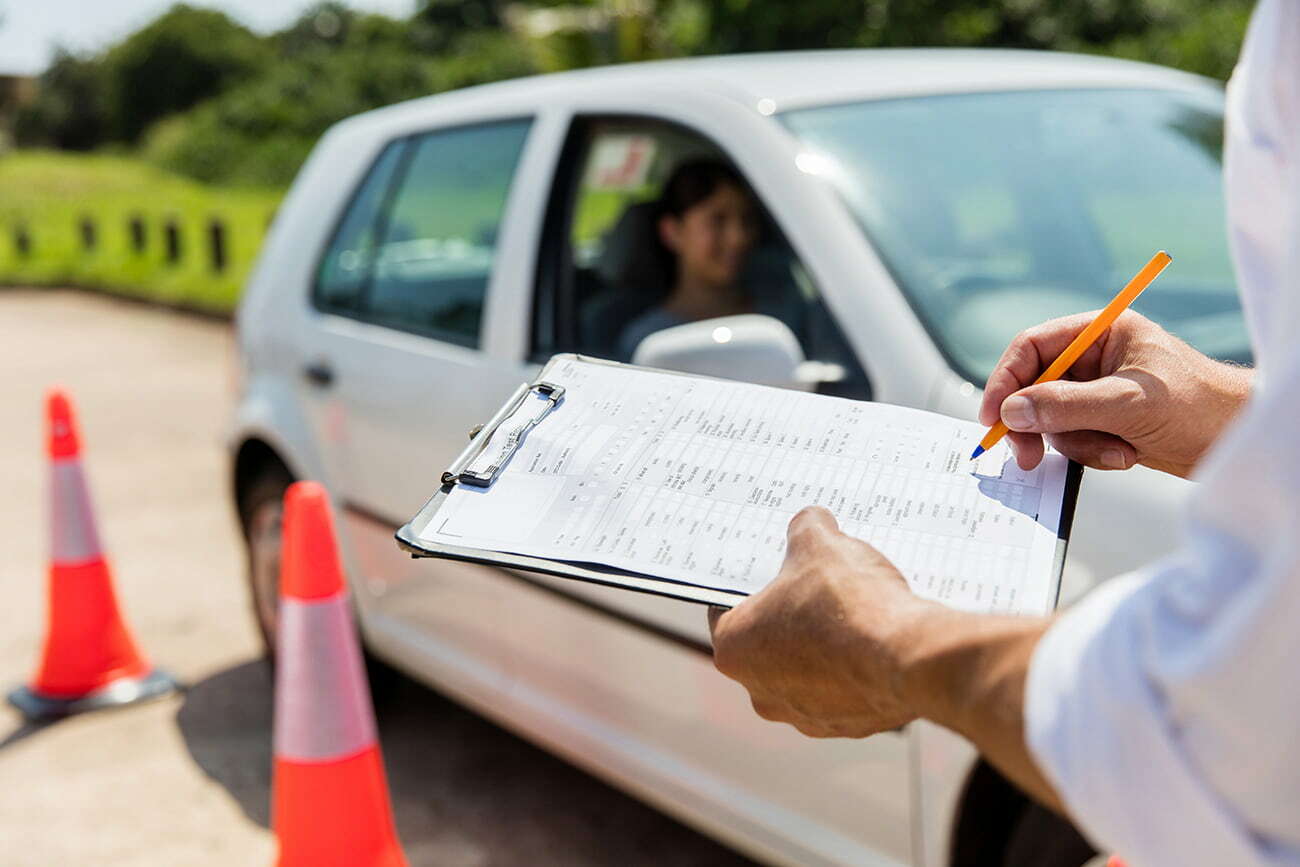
x: 415, y: 249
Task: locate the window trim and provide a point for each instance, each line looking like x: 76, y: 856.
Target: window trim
x: 554, y: 262
x: 406, y: 142
x: 315, y: 296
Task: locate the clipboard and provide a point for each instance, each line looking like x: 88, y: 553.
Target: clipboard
x: 462, y: 471
x: 408, y: 536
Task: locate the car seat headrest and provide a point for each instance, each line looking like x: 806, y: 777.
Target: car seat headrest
x: 630, y: 255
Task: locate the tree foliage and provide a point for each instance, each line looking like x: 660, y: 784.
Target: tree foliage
x: 1197, y: 35
x: 182, y: 58
x: 71, y: 110
x: 443, y: 22
x: 204, y: 95
x: 335, y: 63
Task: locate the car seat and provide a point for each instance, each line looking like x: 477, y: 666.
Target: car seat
x: 633, y: 274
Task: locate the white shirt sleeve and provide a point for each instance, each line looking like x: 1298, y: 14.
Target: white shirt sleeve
x: 1165, y: 708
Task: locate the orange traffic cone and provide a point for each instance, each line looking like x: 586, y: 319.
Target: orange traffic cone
x: 330, y: 798
x: 90, y: 660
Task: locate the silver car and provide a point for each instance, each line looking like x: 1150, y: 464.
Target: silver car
x: 918, y: 208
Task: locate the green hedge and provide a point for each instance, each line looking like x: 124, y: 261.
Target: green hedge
x: 45, y: 196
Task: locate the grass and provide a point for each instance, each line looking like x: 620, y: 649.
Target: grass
x: 46, y: 196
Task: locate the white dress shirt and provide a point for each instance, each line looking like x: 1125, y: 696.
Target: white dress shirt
x: 1165, y: 707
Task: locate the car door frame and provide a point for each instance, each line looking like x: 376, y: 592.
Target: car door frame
x: 835, y: 259
x: 554, y: 284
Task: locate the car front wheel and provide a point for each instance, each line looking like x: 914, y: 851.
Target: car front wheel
x: 261, y: 509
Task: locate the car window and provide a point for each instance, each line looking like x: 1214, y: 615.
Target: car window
x: 415, y: 248
x: 438, y: 236
x: 996, y: 211
x: 346, y: 265
x: 606, y: 276
x: 624, y: 166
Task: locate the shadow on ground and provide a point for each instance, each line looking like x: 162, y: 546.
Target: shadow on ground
x: 23, y: 730
x: 465, y: 792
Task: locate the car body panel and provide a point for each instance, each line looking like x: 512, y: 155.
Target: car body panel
x: 799, y: 79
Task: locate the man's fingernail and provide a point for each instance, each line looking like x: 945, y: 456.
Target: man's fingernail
x: 1113, y: 459
x: 1018, y: 413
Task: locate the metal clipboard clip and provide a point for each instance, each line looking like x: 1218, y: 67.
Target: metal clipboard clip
x: 460, y: 471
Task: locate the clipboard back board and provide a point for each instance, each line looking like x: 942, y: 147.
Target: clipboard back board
x: 409, y: 538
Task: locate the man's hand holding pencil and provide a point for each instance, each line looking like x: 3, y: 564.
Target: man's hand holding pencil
x: 1136, y: 395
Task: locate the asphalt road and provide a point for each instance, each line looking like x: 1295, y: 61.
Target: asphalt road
x: 186, y: 780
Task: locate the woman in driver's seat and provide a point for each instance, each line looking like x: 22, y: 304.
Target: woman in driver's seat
x: 707, y: 225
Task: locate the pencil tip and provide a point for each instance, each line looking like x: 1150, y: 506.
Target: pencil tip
x: 979, y: 450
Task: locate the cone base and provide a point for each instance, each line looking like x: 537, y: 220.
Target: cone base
x: 334, y: 813
x: 119, y: 693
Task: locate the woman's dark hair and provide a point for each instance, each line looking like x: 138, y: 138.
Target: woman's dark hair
x: 694, y: 181
x: 690, y: 183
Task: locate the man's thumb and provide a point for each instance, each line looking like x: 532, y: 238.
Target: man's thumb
x: 1062, y: 406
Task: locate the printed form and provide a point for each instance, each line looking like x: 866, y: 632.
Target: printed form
x: 695, y: 480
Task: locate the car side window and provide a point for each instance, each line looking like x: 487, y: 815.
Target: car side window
x: 416, y: 247
x: 607, y: 275
x: 439, y: 236
x: 345, y: 268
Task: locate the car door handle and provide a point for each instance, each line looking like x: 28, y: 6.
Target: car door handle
x: 319, y: 373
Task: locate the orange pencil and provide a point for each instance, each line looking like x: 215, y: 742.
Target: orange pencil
x: 1087, y: 337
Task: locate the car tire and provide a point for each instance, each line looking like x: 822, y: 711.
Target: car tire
x: 999, y: 825
x: 1042, y: 838
x: 261, y: 509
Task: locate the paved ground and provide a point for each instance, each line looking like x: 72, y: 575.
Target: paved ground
x: 185, y: 781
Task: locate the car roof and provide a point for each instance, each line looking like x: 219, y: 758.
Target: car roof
x: 797, y: 79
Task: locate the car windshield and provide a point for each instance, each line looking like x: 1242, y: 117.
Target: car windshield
x: 996, y: 211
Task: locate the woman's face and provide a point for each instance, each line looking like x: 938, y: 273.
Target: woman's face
x: 713, y: 238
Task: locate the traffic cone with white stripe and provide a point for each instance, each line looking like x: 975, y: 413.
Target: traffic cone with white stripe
x: 90, y: 660
x: 330, y: 801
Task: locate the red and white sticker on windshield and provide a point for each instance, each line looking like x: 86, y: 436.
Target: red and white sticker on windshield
x: 620, y: 162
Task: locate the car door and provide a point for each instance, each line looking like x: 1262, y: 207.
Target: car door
x: 396, y: 371
x: 599, y: 267
x: 661, y: 688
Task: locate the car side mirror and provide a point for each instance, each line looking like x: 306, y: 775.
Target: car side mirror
x: 750, y: 347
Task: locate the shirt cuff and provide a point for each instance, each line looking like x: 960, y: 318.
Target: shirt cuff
x: 1101, y: 734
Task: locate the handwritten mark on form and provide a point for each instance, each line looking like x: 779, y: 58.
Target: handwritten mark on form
x: 694, y: 480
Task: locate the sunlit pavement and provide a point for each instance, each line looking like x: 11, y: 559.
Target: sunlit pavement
x: 186, y: 780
